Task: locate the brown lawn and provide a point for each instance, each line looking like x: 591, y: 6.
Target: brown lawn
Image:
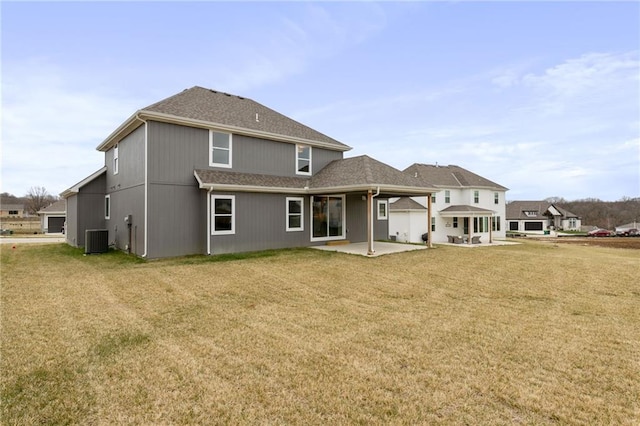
x: 535, y: 333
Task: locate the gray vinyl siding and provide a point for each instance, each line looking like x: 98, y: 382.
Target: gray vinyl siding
x: 357, y: 220
x: 261, y: 156
x: 71, y: 233
x: 260, y: 224
x: 124, y: 202
x: 176, y: 151
x: 130, y: 162
x: 177, y: 220
x: 85, y: 210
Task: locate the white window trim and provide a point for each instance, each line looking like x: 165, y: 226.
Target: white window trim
x: 301, y: 227
x: 116, y: 160
x: 225, y: 165
x: 214, y: 197
x: 298, y: 172
x: 107, y: 206
x: 344, y: 219
x: 386, y: 210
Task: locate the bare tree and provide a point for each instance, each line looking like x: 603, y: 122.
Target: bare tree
x: 38, y: 198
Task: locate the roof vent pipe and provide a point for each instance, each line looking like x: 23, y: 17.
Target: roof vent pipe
x: 257, y: 118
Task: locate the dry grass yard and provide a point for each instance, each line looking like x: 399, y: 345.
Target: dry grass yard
x: 533, y: 334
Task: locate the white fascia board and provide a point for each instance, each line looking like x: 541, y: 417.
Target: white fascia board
x: 168, y: 118
x: 417, y: 191
x: 123, y: 130
x: 76, y: 188
x: 251, y: 188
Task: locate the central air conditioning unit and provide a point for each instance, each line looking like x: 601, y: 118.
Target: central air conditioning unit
x: 96, y: 241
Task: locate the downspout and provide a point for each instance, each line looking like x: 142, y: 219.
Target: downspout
x: 209, y: 221
x: 371, y: 196
x: 429, y: 216
x: 146, y: 185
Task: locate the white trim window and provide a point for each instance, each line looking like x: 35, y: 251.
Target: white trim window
x: 476, y: 197
x: 447, y: 196
x: 295, y: 214
x: 116, y: 160
x: 496, y: 198
x: 220, y: 149
x: 107, y: 206
x: 383, y: 209
x: 303, y: 160
x: 223, y: 217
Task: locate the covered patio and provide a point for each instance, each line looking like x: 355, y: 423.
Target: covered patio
x: 475, y: 220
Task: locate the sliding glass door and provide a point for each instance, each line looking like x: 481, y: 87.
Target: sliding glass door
x: 328, y: 217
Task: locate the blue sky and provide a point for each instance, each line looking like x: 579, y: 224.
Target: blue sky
x: 541, y: 97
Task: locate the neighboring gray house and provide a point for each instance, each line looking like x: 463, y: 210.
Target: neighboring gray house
x: 53, y: 217
x: 467, y: 205
x: 208, y: 172
x: 540, y: 216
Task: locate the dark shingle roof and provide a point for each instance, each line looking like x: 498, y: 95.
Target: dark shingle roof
x: 198, y: 103
x: 517, y: 209
x: 57, y: 207
x: 406, y: 203
x: 450, y: 177
x: 362, y: 170
x: 350, y: 174
x: 220, y: 177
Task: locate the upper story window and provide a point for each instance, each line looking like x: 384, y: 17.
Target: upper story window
x: 496, y: 198
x: 531, y: 213
x: 476, y: 197
x: 303, y: 160
x: 447, y: 196
x: 115, y: 160
x: 433, y: 198
x: 383, y: 209
x: 220, y: 149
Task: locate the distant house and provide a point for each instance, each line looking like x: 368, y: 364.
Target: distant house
x: 539, y: 216
x: 206, y: 172
x: 12, y: 211
x: 626, y: 227
x: 53, y: 217
x: 467, y: 205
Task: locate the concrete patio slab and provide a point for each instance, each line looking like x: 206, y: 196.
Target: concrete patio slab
x: 380, y: 248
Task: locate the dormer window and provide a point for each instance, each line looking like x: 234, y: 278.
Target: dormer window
x: 303, y: 160
x: 220, y: 149
x: 531, y: 213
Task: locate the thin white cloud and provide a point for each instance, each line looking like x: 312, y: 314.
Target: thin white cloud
x: 50, y: 127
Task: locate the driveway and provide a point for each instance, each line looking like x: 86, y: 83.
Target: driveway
x: 42, y: 239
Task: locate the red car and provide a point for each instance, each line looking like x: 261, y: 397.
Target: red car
x: 599, y: 233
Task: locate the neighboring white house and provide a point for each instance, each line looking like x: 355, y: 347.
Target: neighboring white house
x: 53, y: 217
x: 536, y: 217
x: 467, y: 205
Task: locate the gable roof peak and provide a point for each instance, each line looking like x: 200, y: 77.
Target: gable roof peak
x: 212, y: 109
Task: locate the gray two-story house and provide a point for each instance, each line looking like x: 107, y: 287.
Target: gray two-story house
x: 205, y: 172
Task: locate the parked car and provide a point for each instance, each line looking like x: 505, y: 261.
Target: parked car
x: 599, y: 233
x: 629, y: 233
